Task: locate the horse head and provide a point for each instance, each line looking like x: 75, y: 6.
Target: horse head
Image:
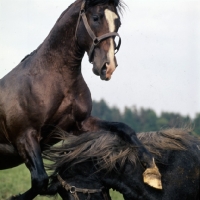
x: 96, y: 31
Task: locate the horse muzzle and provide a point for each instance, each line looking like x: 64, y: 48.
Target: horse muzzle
x: 105, y: 70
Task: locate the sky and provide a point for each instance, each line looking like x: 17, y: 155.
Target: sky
x: 158, y: 62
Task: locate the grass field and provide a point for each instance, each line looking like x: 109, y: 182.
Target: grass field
x: 16, y: 180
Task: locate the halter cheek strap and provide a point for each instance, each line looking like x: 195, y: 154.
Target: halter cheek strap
x: 74, y: 190
x: 96, y: 40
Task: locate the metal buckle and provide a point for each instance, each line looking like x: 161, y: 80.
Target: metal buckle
x: 72, y: 189
x: 82, y: 12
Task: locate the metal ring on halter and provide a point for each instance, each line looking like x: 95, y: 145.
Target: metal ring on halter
x: 72, y: 189
x: 96, y: 41
x: 82, y: 11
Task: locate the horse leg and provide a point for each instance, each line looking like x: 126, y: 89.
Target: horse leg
x: 29, y: 149
x: 151, y: 175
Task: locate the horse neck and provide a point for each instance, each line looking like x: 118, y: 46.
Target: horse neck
x: 60, y: 48
x: 127, y: 181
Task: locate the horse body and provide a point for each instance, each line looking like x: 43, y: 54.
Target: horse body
x: 47, y: 90
x: 44, y: 89
x: 176, y: 152
x: 68, y: 104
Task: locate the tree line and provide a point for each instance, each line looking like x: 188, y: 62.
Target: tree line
x: 141, y: 119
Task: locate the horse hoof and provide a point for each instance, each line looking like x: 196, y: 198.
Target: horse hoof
x: 152, y: 177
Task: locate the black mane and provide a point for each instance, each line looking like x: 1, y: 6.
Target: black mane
x: 107, y: 149
x: 119, y: 4
x: 169, y: 139
x: 96, y: 2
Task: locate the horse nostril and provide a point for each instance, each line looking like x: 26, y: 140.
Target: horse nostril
x: 104, y: 69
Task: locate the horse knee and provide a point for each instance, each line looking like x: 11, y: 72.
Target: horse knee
x: 40, y: 183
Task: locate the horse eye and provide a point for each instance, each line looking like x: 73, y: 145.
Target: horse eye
x: 95, y: 18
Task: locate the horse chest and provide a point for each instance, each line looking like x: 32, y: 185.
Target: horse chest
x: 73, y: 109
x: 81, y: 108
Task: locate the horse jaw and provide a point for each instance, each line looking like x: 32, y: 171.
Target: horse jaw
x: 152, y: 177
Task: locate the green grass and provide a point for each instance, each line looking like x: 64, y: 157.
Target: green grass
x: 17, y: 180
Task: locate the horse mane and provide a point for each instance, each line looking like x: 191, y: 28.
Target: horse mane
x: 109, y: 151
x: 105, y: 148
x: 119, y: 4
x: 168, y: 139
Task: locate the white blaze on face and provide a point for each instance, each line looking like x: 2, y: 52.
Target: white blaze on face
x: 110, y: 17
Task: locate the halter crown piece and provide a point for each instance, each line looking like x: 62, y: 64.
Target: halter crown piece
x: 96, y: 40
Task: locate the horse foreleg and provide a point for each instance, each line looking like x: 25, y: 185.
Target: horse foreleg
x: 29, y: 149
x: 151, y: 175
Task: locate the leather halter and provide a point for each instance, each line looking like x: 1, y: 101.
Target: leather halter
x: 96, y: 40
x: 73, y: 190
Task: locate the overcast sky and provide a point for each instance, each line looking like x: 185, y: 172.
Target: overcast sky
x: 159, y: 60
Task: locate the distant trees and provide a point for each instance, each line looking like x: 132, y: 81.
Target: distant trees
x: 144, y: 119
x: 197, y: 124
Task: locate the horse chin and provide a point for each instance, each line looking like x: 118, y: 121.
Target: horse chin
x: 152, y: 177
x: 104, y: 78
x: 95, y: 71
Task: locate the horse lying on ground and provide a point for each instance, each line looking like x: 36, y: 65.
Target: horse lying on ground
x: 102, y: 160
x: 47, y: 90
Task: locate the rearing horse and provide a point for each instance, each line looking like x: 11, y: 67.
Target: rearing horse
x: 47, y: 90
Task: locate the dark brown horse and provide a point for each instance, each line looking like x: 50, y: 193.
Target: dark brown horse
x: 102, y: 160
x: 47, y: 90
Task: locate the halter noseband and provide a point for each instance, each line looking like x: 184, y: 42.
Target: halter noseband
x: 73, y: 190
x: 96, y: 40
